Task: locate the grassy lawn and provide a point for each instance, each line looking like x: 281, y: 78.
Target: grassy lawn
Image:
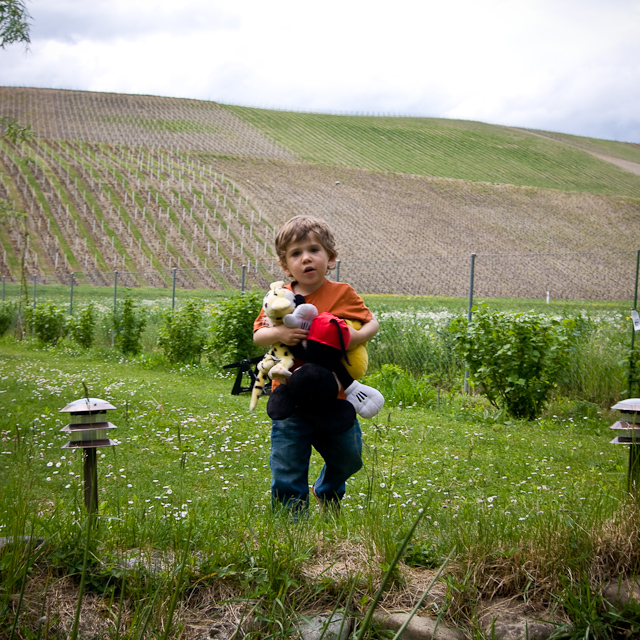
x: 523, y: 505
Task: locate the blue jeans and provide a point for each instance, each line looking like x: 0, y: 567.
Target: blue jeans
x: 291, y: 442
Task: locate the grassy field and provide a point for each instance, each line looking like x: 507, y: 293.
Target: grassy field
x: 538, y: 507
x: 447, y: 149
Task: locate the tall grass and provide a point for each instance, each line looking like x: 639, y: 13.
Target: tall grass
x: 520, y: 503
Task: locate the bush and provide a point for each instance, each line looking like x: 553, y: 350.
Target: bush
x: 81, y: 326
x: 7, y: 315
x: 516, y: 358
x: 419, y: 344
x: 182, y: 337
x: 400, y: 387
x: 49, y: 322
x: 231, y: 331
x: 129, y: 323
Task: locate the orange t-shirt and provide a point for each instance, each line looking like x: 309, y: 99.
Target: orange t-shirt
x: 338, y: 298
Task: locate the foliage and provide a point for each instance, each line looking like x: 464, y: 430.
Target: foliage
x: 49, y: 322
x: 129, y: 323
x: 516, y: 358
x: 14, y: 131
x: 182, y: 337
x: 231, y: 331
x: 400, y: 387
x: 7, y: 316
x: 82, y: 326
x: 593, y: 618
x: 418, y: 342
x: 14, y: 22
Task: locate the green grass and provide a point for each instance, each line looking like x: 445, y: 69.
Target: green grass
x: 442, y: 148
x: 162, y: 124
x: 192, y: 470
x: 623, y: 150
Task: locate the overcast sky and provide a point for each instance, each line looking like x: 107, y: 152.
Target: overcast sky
x: 563, y: 65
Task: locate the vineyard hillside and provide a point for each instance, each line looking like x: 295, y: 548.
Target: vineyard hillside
x: 146, y: 185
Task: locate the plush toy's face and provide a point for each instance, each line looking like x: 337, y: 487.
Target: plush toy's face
x: 278, y: 302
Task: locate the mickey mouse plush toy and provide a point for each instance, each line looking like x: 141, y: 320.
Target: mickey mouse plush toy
x: 313, y: 387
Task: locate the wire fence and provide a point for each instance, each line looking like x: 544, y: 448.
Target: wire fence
x: 415, y: 300
x: 566, y: 276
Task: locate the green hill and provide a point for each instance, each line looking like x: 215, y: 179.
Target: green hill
x: 145, y: 185
x: 450, y: 149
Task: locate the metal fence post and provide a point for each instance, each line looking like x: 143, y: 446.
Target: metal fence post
x: 469, y: 314
x: 632, y: 359
x: 115, y: 306
x: 71, y: 295
x: 244, y: 268
x: 338, y: 262
x: 173, y: 295
x: 35, y: 281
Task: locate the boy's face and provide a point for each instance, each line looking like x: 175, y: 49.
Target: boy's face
x: 307, y: 261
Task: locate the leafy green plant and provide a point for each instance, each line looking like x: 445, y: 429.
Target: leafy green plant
x: 129, y: 323
x: 231, y: 331
x: 593, y: 618
x: 417, y: 344
x: 7, y: 315
x: 400, y: 387
x: 182, y: 337
x: 516, y: 358
x: 82, y: 326
x: 49, y: 322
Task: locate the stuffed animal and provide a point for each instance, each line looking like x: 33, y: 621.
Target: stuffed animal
x: 280, y: 304
x: 358, y: 358
x: 313, y: 387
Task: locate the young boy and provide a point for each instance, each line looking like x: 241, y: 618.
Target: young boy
x: 306, y: 251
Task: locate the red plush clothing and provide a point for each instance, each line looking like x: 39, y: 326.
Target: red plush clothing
x: 338, y: 298
x: 322, y: 332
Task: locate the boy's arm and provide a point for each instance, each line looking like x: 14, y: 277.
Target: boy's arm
x: 365, y: 333
x: 266, y: 336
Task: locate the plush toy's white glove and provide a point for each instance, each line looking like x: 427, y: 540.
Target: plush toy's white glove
x: 366, y: 400
x: 301, y: 317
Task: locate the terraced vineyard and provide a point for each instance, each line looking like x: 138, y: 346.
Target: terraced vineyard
x: 146, y: 185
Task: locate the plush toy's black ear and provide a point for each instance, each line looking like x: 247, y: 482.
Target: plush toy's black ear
x: 280, y: 404
x: 298, y: 299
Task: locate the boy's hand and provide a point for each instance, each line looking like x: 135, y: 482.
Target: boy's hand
x: 291, y: 335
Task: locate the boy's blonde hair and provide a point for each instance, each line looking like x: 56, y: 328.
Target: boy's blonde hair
x: 300, y: 227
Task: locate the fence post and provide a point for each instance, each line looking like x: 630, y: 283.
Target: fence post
x: 244, y: 268
x: 632, y: 359
x: 71, y: 295
x: 35, y: 281
x: 3, y: 285
x: 115, y: 304
x: 469, y: 314
x: 338, y: 270
x: 173, y: 295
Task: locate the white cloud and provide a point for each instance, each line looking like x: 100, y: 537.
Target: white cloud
x: 568, y: 65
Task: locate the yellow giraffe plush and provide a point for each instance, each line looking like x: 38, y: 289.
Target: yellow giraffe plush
x: 277, y: 362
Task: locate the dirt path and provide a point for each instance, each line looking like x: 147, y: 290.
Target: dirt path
x: 627, y: 165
